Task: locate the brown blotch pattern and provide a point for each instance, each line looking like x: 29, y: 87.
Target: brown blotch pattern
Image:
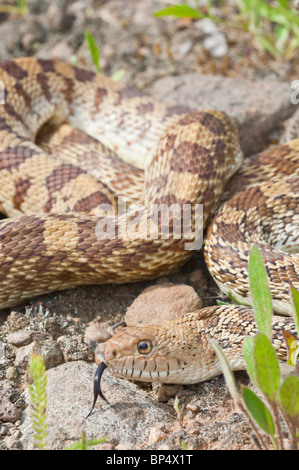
x: 12, y: 157
x: 14, y: 70
x: 4, y: 126
x: 190, y: 157
x: 69, y: 89
x: 47, y: 65
x: 251, y: 198
x: 9, y: 109
x: 22, y: 186
x: 87, y: 204
x: 22, y: 92
x: 42, y: 79
x: 99, y: 96
x: 208, y: 120
x: 61, y: 176
x: 83, y: 75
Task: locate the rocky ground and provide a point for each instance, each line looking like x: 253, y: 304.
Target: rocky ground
x: 183, y: 62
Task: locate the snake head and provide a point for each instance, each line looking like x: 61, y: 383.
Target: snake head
x: 156, y: 353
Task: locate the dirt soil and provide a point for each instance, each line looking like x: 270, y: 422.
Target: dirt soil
x: 142, y: 49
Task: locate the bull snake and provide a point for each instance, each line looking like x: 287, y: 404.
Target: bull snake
x: 52, y: 183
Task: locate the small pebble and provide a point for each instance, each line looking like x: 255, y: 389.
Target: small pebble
x: 156, y: 435
x: 20, y: 338
x: 3, y: 430
x: 8, y: 411
x: 193, y: 408
x: 11, y: 373
x: 96, y: 334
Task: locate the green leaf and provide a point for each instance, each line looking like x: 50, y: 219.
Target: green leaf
x: 260, y: 293
x: 180, y: 11
x: 93, y: 50
x: 289, y: 397
x: 266, y: 367
x: 295, y: 307
x: 258, y: 411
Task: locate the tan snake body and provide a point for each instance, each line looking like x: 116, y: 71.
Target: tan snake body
x: 52, y: 193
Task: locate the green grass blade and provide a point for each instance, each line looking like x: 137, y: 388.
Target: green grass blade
x: 93, y: 50
x: 227, y: 372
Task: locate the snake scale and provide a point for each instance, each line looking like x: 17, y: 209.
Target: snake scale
x: 72, y: 141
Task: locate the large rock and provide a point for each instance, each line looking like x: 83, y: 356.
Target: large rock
x: 160, y: 303
x: 127, y: 418
x: 257, y: 107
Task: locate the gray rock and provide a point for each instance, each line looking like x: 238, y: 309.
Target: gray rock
x: 257, y: 107
x: 127, y: 418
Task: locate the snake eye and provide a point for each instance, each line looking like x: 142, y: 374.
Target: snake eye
x: 145, y: 346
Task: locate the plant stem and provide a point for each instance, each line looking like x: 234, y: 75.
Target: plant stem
x: 277, y: 424
x: 293, y: 433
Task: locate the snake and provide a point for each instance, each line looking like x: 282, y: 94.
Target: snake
x: 73, y: 143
